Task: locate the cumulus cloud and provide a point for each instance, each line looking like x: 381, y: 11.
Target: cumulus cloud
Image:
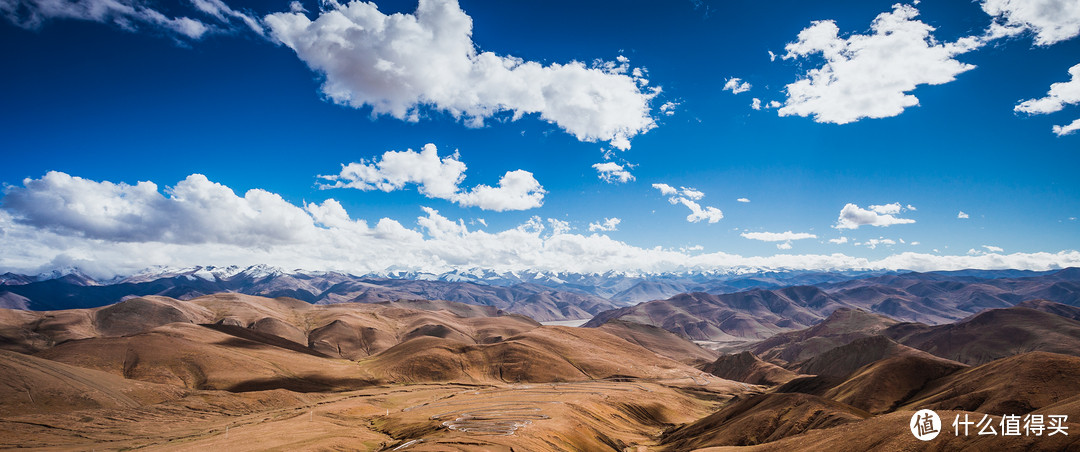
x: 439, y: 178
x: 612, y: 172
x: 870, y: 75
x: 839, y: 241
x: 743, y: 200
x: 1051, y: 21
x: 994, y: 249
x: 1059, y: 95
x: 962, y: 215
x: 736, y: 85
x: 783, y: 246
x: 195, y: 210
x: 111, y: 228
x: 852, y: 216
x: 608, y: 225
x: 688, y: 196
x: 400, y: 64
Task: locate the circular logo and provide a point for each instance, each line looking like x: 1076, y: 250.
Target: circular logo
x: 925, y: 425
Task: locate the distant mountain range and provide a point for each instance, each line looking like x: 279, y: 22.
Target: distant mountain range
x: 543, y: 296
x: 930, y: 298
x: 702, y: 306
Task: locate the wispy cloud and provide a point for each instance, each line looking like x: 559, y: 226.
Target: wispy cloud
x: 785, y: 237
x: 131, y: 15
x: 688, y: 197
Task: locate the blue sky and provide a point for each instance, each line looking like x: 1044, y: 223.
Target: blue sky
x: 230, y: 93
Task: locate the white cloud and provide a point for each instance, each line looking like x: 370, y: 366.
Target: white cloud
x: 887, y: 209
x: 127, y: 14
x: 1067, y: 129
x: 871, y: 75
x: 785, y: 237
x: 224, y: 14
x: 131, y: 15
x: 995, y: 249
x: 1059, y: 95
x: 691, y: 193
x: 612, y: 172
x: 108, y: 228
x: 559, y: 226
x: 699, y: 213
x: 962, y: 215
x: 911, y: 207
x: 687, y: 197
x: 608, y: 225
x: 778, y: 236
x: 736, y: 85
x: 439, y: 178
x: 400, y: 64
x: 743, y: 200
x: 668, y: 109
x: 839, y: 241
x: 1052, y: 21
x: 772, y: 56
x: 195, y: 210
x: 665, y: 189
x: 873, y: 243
x: 853, y: 216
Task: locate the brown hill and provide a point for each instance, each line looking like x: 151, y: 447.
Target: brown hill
x: 748, y: 368
x: 846, y: 359
x: 993, y: 334
x: 889, y: 432
x: 546, y: 354
x: 754, y: 314
x: 200, y: 357
x: 1064, y: 310
x: 841, y: 327
x: 761, y: 419
x: 351, y: 330
x: 660, y: 341
x: 1014, y: 385
x: 34, y: 385
x: 883, y: 385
